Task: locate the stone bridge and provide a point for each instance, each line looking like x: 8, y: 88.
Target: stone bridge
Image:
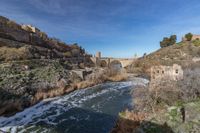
x: 112, y: 62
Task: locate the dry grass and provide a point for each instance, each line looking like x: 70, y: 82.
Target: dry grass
x: 51, y: 93
x: 118, y: 77
x: 11, y: 106
x: 101, y: 77
x: 8, y: 54
x: 190, y: 85
x: 84, y: 84
x: 134, y: 116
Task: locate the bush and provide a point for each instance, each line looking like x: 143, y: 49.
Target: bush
x: 189, y: 36
x: 165, y: 92
x: 190, y: 85
x: 196, y: 42
x: 168, y: 41
x: 142, y: 100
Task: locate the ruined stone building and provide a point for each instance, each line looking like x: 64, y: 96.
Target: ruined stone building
x: 160, y: 72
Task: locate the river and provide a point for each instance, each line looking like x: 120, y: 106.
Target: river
x: 90, y: 110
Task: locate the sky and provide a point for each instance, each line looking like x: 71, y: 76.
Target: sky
x: 117, y: 28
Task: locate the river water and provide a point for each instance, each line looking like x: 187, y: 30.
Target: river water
x: 90, y: 110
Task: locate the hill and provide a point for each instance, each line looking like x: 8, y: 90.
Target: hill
x: 34, y: 66
x: 184, y: 53
x: 28, y: 42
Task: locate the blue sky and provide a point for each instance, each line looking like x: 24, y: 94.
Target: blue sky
x: 117, y: 28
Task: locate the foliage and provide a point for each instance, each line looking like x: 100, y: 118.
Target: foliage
x: 196, y: 42
x: 168, y: 41
x: 188, y: 36
x: 190, y: 84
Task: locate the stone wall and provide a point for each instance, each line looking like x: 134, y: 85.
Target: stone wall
x: 160, y: 72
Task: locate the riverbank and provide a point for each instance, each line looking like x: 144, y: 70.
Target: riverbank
x: 25, y: 84
x: 166, y: 120
x: 166, y: 106
x: 89, y: 110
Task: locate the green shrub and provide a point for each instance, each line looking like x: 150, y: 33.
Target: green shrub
x: 196, y: 42
x: 168, y: 41
x: 188, y: 36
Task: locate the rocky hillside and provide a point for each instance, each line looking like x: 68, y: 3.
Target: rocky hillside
x: 34, y: 66
x: 183, y: 53
x: 166, y: 105
x: 33, y: 43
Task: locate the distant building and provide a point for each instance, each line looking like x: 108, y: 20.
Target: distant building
x: 160, y: 72
x: 98, y: 55
x: 31, y: 28
x: 194, y: 37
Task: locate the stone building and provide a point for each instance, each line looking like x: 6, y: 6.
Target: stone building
x: 160, y: 72
x: 31, y: 28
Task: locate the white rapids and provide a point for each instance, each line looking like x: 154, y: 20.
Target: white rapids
x: 51, y: 114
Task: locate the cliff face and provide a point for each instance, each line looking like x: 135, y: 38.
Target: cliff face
x: 15, y: 35
x: 34, y: 66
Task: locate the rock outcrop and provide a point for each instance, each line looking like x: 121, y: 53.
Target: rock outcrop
x: 34, y: 67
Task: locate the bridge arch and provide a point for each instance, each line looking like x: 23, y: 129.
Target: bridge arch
x: 103, y: 63
x: 116, y: 64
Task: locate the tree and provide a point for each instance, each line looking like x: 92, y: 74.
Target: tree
x: 173, y: 39
x: 188, y: 36
x: 168, y: 41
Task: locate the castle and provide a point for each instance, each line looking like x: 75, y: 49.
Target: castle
x: 160, y: 72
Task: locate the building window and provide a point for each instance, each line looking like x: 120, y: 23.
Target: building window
x: 157, y: 71
x: 176, y: 71
x: 163, y: 72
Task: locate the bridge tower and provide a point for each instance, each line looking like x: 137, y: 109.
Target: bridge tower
x: 98, y: 55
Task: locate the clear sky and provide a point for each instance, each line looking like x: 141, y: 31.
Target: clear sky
x: 117, y: 28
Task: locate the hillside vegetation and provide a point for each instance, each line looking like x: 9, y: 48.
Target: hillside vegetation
x: 182, y: 53
x: 166, y: 105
